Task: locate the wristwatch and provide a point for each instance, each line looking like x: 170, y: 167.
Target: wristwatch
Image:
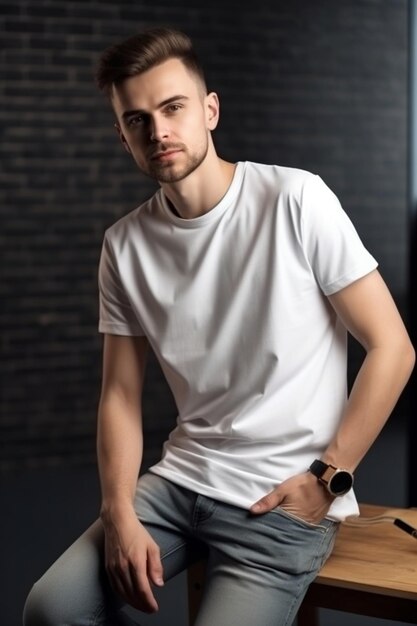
x: 337, y: 481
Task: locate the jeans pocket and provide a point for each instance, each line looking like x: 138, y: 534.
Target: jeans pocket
x: 322, y: 526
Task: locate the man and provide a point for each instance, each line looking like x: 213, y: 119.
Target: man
x: 243, y: 278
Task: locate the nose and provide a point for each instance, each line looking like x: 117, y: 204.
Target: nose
x: 158, y: 129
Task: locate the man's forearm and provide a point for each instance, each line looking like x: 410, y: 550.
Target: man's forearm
x: 378, y: 385
x: 368, y: 311
x: 131, y: 555
x: 119, y: 450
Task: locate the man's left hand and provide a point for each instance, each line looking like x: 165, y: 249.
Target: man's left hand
x: 301, y: 495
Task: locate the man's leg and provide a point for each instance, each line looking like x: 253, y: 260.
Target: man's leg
x: 75, y: 590
x: 259, y: 566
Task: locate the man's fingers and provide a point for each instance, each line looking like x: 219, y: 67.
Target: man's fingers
x: 121, y: 582
x: 155, y: 570
x: 117, y: 585
x: 131, y: 583
x: 267, y: 503
x: 142, y: 592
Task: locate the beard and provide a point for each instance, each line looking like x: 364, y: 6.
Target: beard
x: 166, y: 172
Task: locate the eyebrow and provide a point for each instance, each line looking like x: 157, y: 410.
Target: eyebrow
x: 128, y: 114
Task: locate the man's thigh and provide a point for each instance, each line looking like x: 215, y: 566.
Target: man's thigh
x: 260, y: 566
x: 75, y: 589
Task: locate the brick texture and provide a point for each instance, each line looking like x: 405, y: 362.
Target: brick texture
x: 317, y: 85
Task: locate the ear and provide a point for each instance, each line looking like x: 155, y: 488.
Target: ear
x: 122, y: 138
x: 212, y: 106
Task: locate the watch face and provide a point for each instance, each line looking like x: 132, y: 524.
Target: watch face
x: 340, y: 483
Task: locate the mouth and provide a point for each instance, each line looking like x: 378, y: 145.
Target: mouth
x: 165, y: 155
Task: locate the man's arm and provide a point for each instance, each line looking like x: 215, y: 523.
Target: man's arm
x: 368, y: 311
x: 132, y: 557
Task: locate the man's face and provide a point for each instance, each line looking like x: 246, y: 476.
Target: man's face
x: 164, y: 120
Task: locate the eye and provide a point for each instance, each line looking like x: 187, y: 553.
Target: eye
x: 135, y: 120
x: 173, y: 108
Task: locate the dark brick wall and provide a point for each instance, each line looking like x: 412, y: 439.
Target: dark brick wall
x: 318, y: 85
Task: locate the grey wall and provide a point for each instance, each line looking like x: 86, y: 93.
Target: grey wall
x: 317, y: 85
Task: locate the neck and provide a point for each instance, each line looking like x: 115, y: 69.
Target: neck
x: 202, y: 190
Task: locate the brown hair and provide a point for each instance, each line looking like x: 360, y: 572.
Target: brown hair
x: 143, y: 51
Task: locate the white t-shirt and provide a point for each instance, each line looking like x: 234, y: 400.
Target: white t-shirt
x: 234, y: 306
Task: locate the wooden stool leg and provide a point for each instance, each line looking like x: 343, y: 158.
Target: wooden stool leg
x: 195, y: 583
x: 308, y: 615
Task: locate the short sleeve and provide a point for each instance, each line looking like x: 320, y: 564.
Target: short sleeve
x: 116, y: 314
x: 331, y: 243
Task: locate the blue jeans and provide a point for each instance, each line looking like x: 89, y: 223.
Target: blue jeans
x: 259, y: 567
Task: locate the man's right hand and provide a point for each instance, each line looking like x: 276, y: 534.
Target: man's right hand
x: 132, y: 560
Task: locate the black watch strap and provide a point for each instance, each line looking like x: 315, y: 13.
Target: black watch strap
x: 318, y: 468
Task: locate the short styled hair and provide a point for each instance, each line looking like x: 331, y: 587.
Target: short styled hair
x: 143, y: 51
